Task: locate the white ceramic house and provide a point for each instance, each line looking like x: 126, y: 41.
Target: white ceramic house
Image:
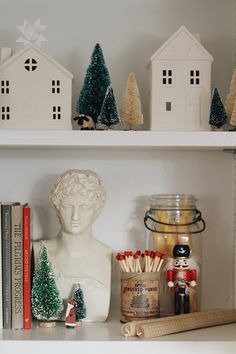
x: 180, y: 84
x: 35, y: 92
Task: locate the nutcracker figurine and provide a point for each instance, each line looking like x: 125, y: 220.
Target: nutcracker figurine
x: 71, y: 314
x: 181, y: 278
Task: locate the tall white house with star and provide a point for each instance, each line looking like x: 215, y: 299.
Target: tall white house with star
x: 180, y: 84
x: 35, y: 91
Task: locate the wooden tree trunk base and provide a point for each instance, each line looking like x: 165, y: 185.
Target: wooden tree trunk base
x: 47, y: 324
x: 215, y: 129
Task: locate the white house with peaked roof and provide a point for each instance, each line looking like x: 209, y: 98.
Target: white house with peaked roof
x: 180, y: 84
x: 35, y: 92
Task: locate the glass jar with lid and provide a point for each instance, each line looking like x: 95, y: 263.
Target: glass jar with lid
x: 174, y: 224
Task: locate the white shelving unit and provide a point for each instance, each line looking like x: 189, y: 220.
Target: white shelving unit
x: 132, y: 164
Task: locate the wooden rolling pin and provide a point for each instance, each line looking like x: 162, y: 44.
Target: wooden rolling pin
x: 180, y: 323
x: 186, y: 322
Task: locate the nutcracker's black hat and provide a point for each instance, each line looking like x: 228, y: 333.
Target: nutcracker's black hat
x: 181, y: 251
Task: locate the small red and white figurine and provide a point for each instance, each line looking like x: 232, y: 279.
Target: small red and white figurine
x: 71, y: 314
x: 181, y: 278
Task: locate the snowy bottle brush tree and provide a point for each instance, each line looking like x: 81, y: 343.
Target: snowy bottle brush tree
x: 218, y: 115
x: 80, y: 304
x: 95, y: 86
x: 131, y: 112
x: 109, y: 114
x: 46, y: 301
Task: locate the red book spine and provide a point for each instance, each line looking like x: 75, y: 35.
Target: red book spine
x: 26, y: 278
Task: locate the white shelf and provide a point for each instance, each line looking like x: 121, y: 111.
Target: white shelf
x: 110, y: 331
x: 102, y: 337
x: 117, y: 139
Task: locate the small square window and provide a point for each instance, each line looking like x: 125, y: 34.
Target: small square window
x: 56, y: 112
x: 5, y: 112
x: 167, y: 77
x: 5, y: 87
x: 56, y: 86
x: 168, y: 106
x: 194, y: 77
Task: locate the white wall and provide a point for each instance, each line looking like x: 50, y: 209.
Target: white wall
x: 129, y: 31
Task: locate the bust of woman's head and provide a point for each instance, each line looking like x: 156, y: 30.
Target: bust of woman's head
x: 78, y: 197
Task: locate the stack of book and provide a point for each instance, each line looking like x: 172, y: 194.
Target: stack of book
x: 15, y: 304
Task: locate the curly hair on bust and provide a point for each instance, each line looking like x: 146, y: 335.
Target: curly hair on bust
x: 83, y: 183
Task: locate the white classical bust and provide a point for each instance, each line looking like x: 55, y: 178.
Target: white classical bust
x: 76, y: 256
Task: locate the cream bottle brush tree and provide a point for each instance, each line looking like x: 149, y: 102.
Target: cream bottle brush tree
x: 131, y: 112
x: 230, y: 100
x: 233, y: 117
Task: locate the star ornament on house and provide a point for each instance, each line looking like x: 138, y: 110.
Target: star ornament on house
x: 32, y: 33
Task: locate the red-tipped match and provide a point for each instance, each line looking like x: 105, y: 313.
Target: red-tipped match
x: 159, y: 254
